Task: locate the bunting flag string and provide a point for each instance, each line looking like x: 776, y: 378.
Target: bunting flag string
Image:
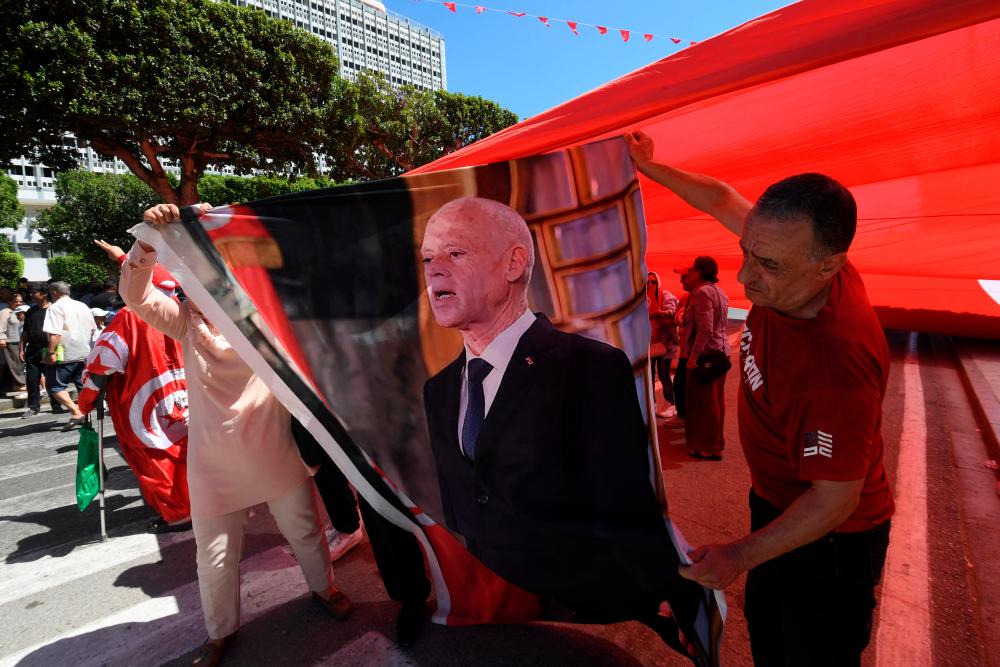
x: 547, y: 21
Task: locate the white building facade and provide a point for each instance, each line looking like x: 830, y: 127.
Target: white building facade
x: 366, y: 36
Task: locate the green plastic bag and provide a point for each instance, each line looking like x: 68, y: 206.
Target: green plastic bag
x: 87, y: 461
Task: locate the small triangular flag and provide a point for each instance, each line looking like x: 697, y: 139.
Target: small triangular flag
x: 517, y: 14
x: 693, y: 42
x: 625, y: 35
x: 545, y: 20
x: 479, y: 9
x: 601, y: 29
x: 450, y: 6
x: 572, y: 26
x: 675, y: 40
x: 647, y: 37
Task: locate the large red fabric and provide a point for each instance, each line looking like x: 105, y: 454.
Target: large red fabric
x: 147, y: 396
x: 897, y: 99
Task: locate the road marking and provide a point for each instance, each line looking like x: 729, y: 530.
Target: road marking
x: 371, y: 648
x: 904, y: 629
x: 168, y: 626
x: 23, y: 579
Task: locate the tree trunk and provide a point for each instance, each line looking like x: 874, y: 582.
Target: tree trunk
x: 190, y: 175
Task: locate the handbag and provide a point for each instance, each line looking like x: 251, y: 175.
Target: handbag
x: 712, y: 364
x: 87, y: 460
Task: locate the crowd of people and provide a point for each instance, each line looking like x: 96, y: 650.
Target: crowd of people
x: 813, y: 370
x: 692, y: 330
x: 45, y: 344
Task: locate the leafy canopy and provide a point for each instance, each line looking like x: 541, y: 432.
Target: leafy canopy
x: 11, y: 212
x: 379, y: 131
x: 94, y: 206
x: 189, y: 82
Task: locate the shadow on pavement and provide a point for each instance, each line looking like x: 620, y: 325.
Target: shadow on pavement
x: 299, y: 632
x: 69, y: 528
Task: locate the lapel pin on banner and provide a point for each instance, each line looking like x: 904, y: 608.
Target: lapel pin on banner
x: 530, y: 361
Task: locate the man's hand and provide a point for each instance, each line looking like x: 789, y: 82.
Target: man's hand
x: 20, y: 353
x: 113, y: 252
x: 164, y: 214
x: 640, y: 147
x: 3, y: 343
x: 714, y: 566
x: 52, y: 358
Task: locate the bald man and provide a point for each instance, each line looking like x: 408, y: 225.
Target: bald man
x: 537, y: 434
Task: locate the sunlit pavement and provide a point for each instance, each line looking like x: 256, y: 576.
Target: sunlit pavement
x: 66, y: 598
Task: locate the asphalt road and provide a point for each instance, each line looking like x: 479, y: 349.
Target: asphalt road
x: 66, y: 598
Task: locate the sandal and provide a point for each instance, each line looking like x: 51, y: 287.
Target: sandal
x: 210, y: 655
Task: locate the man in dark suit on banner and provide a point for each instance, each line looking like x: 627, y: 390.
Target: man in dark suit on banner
x: 540, y: 446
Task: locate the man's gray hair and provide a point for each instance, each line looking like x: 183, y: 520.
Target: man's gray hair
x: 59, y: 287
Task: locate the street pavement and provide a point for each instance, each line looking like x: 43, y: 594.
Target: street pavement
x: 68, y: 599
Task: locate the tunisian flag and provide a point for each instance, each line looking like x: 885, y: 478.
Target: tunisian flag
x: 899, y: 100
x: 147, y: 396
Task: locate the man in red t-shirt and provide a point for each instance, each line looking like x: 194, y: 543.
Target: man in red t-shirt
x: 814, y: 365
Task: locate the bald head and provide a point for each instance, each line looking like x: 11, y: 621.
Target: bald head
x: 477, y: 255
x: 499, y: 226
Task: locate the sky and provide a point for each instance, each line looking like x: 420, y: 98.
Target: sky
x: 529, y: 68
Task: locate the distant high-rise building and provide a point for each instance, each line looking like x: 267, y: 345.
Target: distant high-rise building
x: 368, y: 37
x: 364, y: 33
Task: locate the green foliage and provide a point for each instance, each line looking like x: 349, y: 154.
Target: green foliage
x: 94, y: 206
x: 11, y: 212
x: 220, y: 190
x: 74, y: 269
x: 380, y: 131
x: 191, y: 82
x: 11, y: 267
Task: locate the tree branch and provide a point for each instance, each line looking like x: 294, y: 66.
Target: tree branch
x: 157, y: 180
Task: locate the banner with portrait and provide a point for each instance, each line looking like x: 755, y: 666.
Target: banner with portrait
x: 334, y: 298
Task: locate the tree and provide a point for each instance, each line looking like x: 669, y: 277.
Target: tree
x: 189, y: 82
x: 104, y: 206
x: 77, y: 270
x: 380, y: 131
x: 11, y: 212
x: 94, y: 206
x: 11, y: 264
x: 219, y: 190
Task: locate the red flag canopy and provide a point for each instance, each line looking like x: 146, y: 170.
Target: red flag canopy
x: 897, y: 99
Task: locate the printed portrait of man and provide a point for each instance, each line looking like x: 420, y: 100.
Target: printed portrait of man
x: 538, y: 436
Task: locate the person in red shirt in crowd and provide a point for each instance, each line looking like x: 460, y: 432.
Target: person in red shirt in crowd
x: 147, y: 395
x: 814, y: 365
x: 707, y: 355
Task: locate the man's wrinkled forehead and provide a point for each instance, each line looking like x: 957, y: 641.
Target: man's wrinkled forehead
x: 458, y: 227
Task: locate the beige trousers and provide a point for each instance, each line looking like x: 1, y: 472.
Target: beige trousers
x: 220, y: 547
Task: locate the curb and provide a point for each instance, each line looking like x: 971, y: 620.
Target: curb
x: 984, y: 402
